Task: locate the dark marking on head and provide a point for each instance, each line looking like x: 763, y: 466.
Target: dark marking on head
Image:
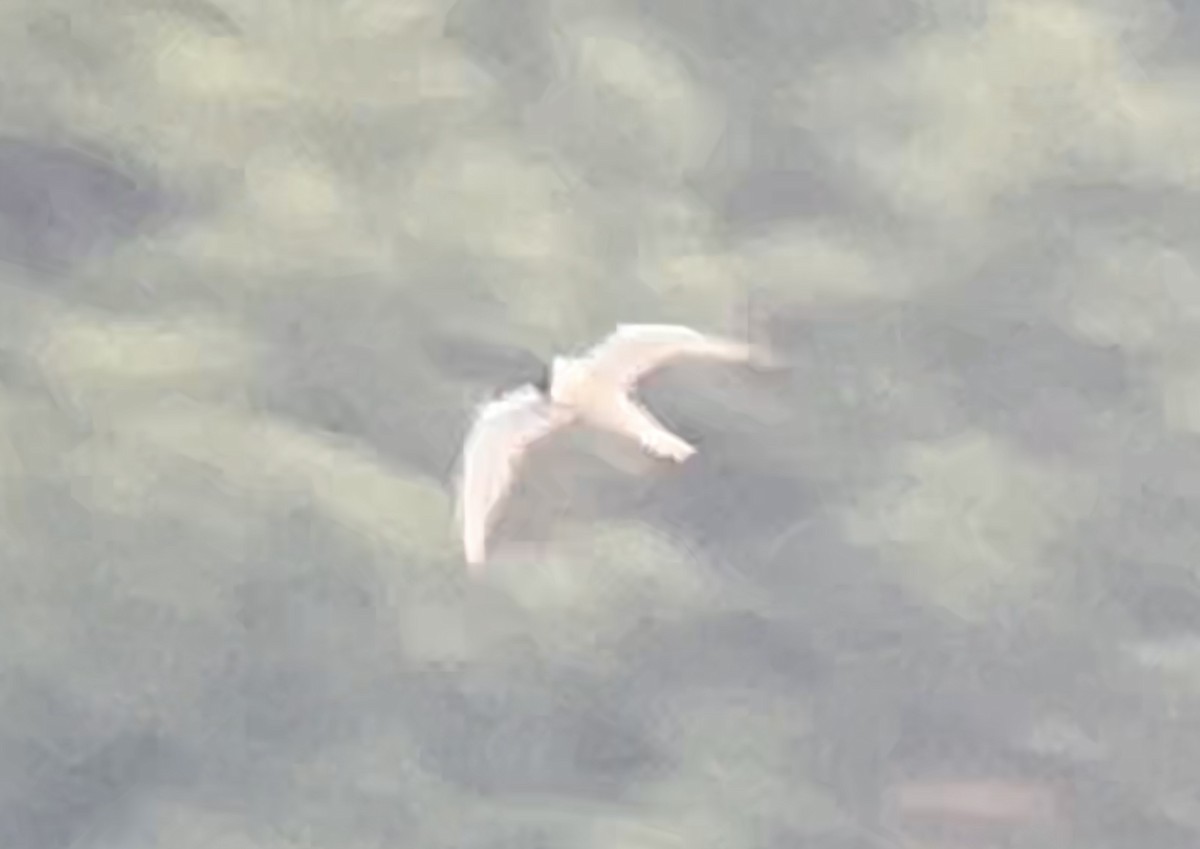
x: 542, y: 381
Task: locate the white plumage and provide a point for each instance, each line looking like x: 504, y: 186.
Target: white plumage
x: 592, y: 389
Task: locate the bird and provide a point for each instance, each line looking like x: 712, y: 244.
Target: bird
x: 593, y: 389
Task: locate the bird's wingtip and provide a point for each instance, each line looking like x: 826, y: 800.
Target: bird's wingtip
x: 474, y: 549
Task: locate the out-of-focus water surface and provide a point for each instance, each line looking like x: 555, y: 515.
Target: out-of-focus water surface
x: 934, y: 584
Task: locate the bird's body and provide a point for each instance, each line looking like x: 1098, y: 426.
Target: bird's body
x: 593, y: 389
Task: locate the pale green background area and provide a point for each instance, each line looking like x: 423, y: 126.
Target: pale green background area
x: 260, y: 259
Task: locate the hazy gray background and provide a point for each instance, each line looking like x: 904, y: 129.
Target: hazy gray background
x: 262, y: 257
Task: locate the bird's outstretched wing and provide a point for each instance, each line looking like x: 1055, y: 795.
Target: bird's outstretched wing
x: 633, y: 350
x: 502, y: 431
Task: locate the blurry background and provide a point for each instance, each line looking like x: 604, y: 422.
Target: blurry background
x: 935, y: 584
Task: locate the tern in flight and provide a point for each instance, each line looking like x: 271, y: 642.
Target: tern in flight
x: 593, y: 389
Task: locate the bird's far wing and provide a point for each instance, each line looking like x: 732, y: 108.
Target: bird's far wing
x: 633, y: 350
x: 499, y: 437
